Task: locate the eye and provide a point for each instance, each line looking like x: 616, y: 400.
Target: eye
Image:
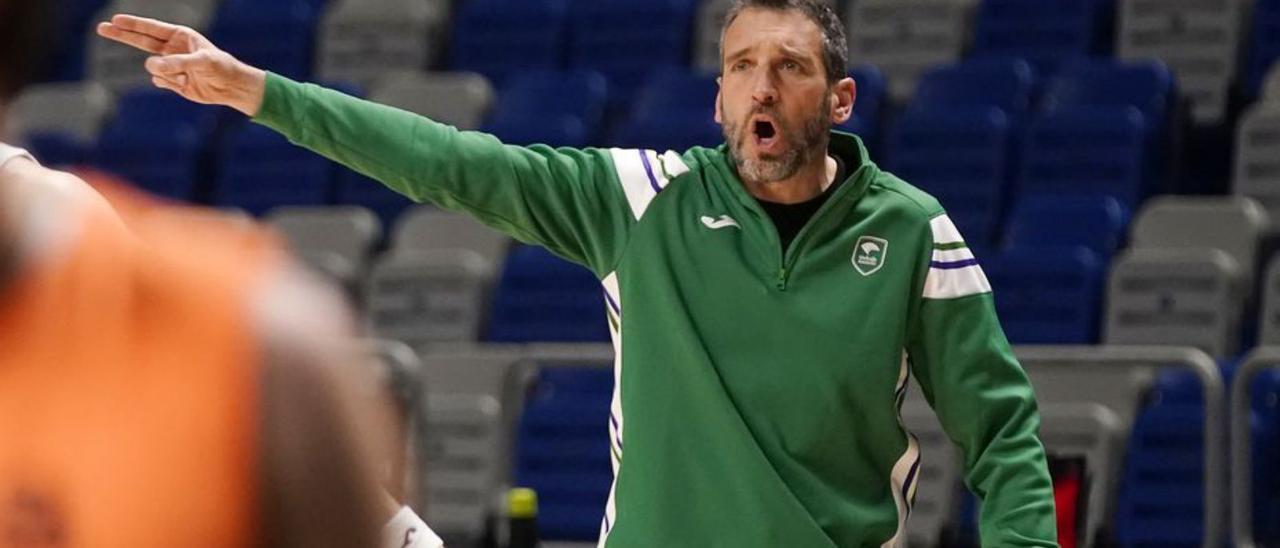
x: 790, y: 65
x: 739, y: 66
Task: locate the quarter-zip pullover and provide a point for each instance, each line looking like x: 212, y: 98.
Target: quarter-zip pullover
x: 758, y: 388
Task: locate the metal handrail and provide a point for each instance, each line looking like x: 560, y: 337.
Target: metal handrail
x: 1215, y: 472
x: 1261, y: 358
x: 404, y: 379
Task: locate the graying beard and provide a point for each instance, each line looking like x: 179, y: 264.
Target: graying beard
x: 769, y: 171
x: 751, y: 171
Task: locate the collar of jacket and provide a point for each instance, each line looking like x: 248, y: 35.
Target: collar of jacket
x: 847, y: 146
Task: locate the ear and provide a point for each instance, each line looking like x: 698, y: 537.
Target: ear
x: 844, y: 94
x: 719, y: 89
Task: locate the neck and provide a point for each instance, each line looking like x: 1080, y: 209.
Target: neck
x: 812, y: 180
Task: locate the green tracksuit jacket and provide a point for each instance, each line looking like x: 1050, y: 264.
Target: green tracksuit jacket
x: 758, y: 388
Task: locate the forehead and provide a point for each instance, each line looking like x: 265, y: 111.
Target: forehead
x: 763, y: 28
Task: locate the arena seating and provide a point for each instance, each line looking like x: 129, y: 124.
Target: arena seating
x: 335, y: 240
x: 58, y: 135
x: 159, y: 141
x: 498, y: 38
x: 1046, y: 33
x: 541, y: 297
x: 550, y: 107
x: 1043, y: 126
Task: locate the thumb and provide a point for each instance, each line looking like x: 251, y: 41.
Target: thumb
x: 171, y: 65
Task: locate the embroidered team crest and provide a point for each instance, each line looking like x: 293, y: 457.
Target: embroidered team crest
x: 869, y: 253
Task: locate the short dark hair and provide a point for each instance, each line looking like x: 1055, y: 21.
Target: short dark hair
x: 835, y: 47
x: 24, y: 26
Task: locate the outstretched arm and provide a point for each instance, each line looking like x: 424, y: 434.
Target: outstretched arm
x: 579, y: 204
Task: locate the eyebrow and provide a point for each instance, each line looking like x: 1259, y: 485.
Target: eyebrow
x: 739, y: 53
x: 787, y: 50
x: 796, y: 53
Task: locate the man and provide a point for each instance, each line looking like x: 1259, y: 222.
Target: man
x: 768, y: 298
x: 168, y: 379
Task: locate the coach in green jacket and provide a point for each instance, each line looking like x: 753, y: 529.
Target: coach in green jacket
x: 768, y: 298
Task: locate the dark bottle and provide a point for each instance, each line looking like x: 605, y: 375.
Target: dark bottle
x: 522, y: 518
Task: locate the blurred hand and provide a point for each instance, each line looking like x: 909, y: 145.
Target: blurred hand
x: 189, y: 64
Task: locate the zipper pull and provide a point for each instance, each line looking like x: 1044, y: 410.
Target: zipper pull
x: 782, y: 278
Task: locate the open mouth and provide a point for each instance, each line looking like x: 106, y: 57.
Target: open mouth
x: 765, y: 132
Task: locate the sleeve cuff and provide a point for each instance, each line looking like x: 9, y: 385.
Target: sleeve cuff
x: 407, y: 530
x: 276, y: 100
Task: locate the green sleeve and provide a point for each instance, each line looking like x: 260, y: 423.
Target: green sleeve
x: 566, y: 200
x: 984, y: 401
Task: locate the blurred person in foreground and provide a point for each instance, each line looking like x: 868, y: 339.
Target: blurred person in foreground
x: 769, y: 298
x: 168, y: 378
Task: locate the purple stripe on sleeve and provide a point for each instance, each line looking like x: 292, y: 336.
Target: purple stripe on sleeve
x: 906, y: 485
x: 648, y: 169
x: 612, y: 303
x: 953, y: 265
x: 617, y: 432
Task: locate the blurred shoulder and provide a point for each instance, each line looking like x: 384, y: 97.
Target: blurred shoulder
x: 31, y: 182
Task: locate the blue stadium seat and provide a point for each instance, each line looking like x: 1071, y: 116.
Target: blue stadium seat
x: 1094, y: 151
x: 258, y: 169
x: 1181, y: 389
x: 1097, y: 223
x: 541, y: 297
x: 1161, y: 499
x: 1049, y: 280
x: 955, y: 140
x: 55, y: 148
x: 675, y: 110
x: 1049, y: 295
x: 278, y: 36
x: 627, y: 40
x: 1264, y: 48
x: 549, y: 107
x: 1045, y: 32
x: 1101, y: 131
x: 1089, y: 151
x: 1006, y: 84
x: 562, y: 450
x: 1146, y: 85
x: 158, y: 141
x: 500, y: 38
x: 1266, y: 459
x: 72, y: 21
x: 961, y: 156
x: 868, y: 106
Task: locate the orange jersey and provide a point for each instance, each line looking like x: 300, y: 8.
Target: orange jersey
x: 129, y: 385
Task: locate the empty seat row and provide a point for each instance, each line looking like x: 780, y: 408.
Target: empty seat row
x: 358, y: 41
x: 1128, y: 430
x: 1202, y: 42
x: 529, y: 415
x: 675, y: 110
x: 974, y: 137
x: 1186, y: 277
x: 445, y: 278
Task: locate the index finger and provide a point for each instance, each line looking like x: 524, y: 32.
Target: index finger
x: 143, y: 25
x: 137, y: 40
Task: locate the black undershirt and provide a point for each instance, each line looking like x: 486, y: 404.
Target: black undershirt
x: 790, y: 218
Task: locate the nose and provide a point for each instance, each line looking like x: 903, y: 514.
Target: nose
x: 763, y: 90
